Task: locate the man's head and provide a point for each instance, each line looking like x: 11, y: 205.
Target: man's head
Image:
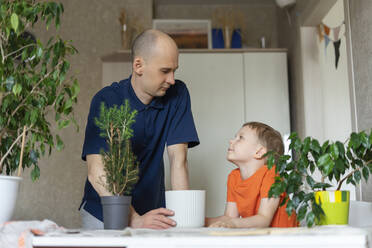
x: 252, y: 141
x: 155, y: 59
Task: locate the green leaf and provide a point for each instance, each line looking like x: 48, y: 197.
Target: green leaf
x: 33, y: 116
x: 334, y: 151
x: 306, y: 145
x: 322, y: 185
x: 315, y: 146
x: 325, y: 146
x: 63, y: 123
x: 310, y: 181
x: 302, y: 213
x: 14, y: 21
x: 271, y: 161
x: 60, y: 144
x: 310, y: 218
x: 357, y: 176
x: 326, y: 164
x: 17, y: 88
x: 365, y: 173
x: 355, y: 140
x: 35, y: 173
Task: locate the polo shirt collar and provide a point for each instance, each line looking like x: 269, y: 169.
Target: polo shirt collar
x: 155, y: 103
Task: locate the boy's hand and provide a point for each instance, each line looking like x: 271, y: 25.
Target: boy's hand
x: 224, y: 221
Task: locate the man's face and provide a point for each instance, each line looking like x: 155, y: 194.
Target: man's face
x: 158, y: 71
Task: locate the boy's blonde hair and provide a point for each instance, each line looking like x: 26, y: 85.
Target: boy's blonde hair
x: 267, y: 136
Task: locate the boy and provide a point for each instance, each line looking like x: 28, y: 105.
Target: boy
x: 248, y: 186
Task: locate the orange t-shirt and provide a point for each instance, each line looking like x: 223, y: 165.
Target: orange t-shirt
x: 247, y: 195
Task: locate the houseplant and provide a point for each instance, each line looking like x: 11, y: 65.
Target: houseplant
x: 34, y: 88
x: 337, y: 161
x: 119, y: 161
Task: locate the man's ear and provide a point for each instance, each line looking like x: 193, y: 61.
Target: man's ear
x: 261, y: 151
x: 138, y: 65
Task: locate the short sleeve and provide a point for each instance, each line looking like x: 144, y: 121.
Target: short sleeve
x: 93, y: 143
x: 231, y: 181
x: 182, y: 128
x: 267, y: 181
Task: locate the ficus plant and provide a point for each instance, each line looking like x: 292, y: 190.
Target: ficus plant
x: 35, y: 88
x: 340, y: 162
x: 120, y: 163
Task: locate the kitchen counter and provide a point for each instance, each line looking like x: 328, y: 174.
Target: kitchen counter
x: 320, y: 236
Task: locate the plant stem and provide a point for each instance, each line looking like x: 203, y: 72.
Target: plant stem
x: 22, y: 148
x: 10, y: 54
x: 32, y: 91
x: 349, y: 175
x: 11, y: 147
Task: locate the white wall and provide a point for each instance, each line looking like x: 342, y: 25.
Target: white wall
x: 327, y: 108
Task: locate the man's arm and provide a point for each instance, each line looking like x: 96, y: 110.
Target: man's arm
x: 155, y: 219
x: 97, y: 174
x: 178, y: 166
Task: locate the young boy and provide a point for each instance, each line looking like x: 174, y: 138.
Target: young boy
x: 248, y: 186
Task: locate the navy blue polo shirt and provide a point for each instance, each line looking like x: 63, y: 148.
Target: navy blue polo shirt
x: 164, y: 121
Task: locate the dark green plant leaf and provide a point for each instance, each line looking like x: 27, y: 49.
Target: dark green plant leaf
x: 315, y: 146
x: 357, y: 176
x: 310, y: 219
x: 365, y: 173
x: 35, y: 173
x: 334, y: 151
x: 355, y: 140
x: 302, y: 212
x: 60, y: 144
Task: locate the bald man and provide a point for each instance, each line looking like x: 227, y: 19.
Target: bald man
x: 164, y: 119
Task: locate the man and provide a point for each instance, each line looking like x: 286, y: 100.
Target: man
x: 164, y: 118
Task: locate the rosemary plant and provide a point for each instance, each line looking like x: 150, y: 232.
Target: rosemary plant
x: 119, y: 161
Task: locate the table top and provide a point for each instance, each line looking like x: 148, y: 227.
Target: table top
x: 320, y: 236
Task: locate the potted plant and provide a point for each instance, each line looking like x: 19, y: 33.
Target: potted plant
x: 340, y: 162
x: 34, y: 88
x: 119, y: 162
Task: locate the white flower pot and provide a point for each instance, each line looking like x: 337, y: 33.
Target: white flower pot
x: 8, y: 196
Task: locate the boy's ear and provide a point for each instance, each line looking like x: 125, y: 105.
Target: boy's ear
x: 261, y: 151
x: 138, y: 65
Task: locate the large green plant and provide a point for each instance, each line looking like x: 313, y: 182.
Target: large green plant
x: 119, y: 161
x: 336, y: 161
x: 33, y: 84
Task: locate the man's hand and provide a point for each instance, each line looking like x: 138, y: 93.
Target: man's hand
x: 154, y: 219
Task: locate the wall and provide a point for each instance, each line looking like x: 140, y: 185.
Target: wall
x: 95, y: 30
x: 361, y: 49
x: 320, y: 96
x: 259, y: 19
x: 326, y: 94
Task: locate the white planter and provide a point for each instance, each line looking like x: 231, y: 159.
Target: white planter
x: 188, y: 207
x: 8, y: 196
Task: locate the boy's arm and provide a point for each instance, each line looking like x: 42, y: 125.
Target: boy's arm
x: 263, y: 218
x: 231, y: 211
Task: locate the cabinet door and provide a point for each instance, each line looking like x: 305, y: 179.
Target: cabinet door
x: 215, y: 83
x: 266, y: 90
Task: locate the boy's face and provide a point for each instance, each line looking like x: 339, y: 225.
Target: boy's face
x: 244, y: 147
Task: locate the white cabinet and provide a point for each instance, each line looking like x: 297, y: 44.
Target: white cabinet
x: 226, y: 90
